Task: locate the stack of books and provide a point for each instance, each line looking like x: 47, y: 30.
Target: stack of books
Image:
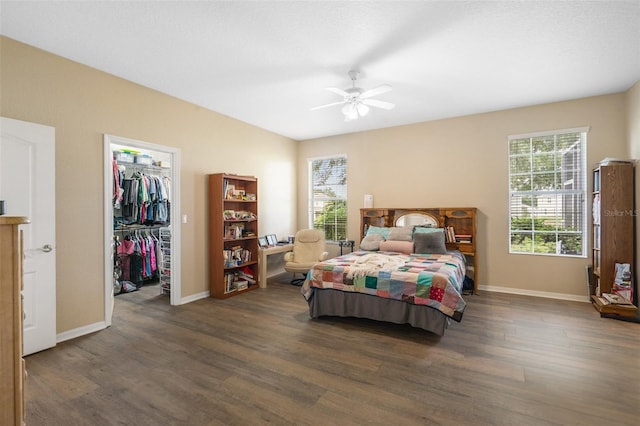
x: 247, y: 276
x: 622, y: 284
x: 237, y: 281
x: 449, y: 234
x: 236, y: 255
x: 463, y: 238
x: 615, y: 299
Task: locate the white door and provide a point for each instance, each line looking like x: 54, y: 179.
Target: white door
x: 27, y: 184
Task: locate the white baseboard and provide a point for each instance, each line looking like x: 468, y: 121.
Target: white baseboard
x: 80, y: 331
x: 97, y: 326
x: 194, y: 297
x: 546, y: 294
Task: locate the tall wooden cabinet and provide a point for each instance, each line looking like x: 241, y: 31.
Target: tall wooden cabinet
x: 12, y: 370
x: 613, y: 229
x: 233, y: 234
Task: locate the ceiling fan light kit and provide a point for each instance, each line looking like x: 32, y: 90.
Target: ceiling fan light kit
x: 356, y: 101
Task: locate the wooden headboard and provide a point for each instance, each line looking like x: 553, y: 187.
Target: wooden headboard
x: 460, y: 221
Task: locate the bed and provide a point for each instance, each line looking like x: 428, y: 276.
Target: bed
x: 401, y: 286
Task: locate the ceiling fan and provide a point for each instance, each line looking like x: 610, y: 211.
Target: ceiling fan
x: 357, y: 101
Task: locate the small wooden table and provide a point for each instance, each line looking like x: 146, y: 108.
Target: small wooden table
x: 346, y: 243
x: 267, y: 251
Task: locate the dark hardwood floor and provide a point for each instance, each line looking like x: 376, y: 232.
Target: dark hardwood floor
x: 259, y: 359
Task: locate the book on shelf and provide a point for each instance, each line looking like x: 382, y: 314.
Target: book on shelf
x: 230, y: 283
x: 449, y: 234
x: 235, y: 256
x: 236, y: 281
x: 246, y: 274
x: 616, y: 299
x: 463, y: 238
x: 251, y: 281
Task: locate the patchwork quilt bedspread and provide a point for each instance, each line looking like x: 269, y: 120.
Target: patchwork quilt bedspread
x: 433, y: 280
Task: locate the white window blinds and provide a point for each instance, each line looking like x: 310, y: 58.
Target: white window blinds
x: 547, y: 193
x: 328, y: 196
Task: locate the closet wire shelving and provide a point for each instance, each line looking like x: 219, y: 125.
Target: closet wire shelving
x: 165, y: 263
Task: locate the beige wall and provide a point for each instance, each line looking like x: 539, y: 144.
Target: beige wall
x: 83, y: 104
x: 462, y: 162
x: 455, y: 162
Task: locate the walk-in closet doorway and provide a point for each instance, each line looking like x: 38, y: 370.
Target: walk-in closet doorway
x: 137, y: 158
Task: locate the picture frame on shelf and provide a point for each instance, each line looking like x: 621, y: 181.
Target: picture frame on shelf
x: 272, y: 240
x: 262, y: 242
x: 230, y: 189
x: 238, y: 194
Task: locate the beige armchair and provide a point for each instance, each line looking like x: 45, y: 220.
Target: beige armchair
x: 308, y: 249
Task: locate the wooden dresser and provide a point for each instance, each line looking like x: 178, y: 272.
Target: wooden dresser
x: 12, y: 369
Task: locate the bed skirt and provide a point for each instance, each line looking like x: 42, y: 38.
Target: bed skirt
x: 329, y: 302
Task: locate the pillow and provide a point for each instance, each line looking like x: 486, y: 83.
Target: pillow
x: 426, y: 230
x: 400, y: 233
x: 371, y: 242
x: 405, y: 247
x: 430, y: 243
x: 379, y: 230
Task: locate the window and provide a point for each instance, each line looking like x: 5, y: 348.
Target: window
x: 547, y: 193
x: 328, y: 196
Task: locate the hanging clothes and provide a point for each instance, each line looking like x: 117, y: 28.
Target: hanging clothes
x: 142, y: 198
x: 137, y: 257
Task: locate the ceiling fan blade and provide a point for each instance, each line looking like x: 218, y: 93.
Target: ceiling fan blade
x: 378, y: 104
x: 327, y: 105
x: 375, y: 91
x: 338, y: 91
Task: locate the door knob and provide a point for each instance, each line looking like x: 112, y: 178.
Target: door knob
x: 46, y: 248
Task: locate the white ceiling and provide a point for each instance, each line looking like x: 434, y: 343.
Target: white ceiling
x: 268, y: 62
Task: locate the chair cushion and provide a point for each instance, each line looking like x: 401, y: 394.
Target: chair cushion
x: 301, y: 268
x: 308, y: 236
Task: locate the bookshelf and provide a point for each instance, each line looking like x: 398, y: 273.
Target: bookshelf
x: 459, y: 223
x: 613, y: 230
x: 233, y: 234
